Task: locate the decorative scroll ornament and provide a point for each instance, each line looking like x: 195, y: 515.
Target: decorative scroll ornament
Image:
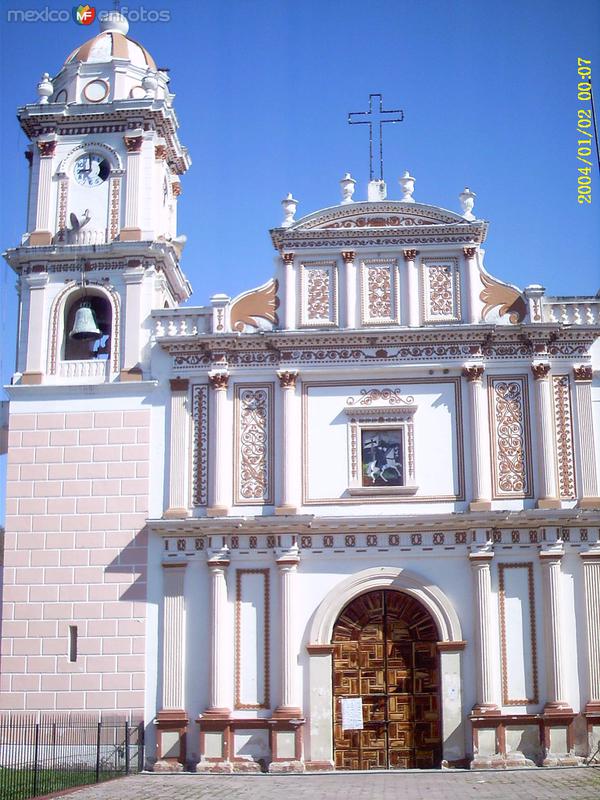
x: 583, y: 372
x: 510, y: 300
x: 287, y: 379
x: 540, y: 370
x: 200, y: 447
x: 379, y: 292
x: 440, y: 291
x: 255, y: 304
x: 473, y: 372
x: 510, y: 437
x: 254, y: 444
x: 563, y: 426
x: 318, y: 293
x: 390, y: 396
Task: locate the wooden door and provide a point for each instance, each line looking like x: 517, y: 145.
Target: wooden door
x: 385, y: 652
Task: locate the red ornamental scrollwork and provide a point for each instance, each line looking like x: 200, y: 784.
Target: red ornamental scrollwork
x: 287, y: 379
x: 176, y: 188
x: 469, y: 252
x: 254, y: 410
x: 390, y: 396
x: 288, y: 258
x: 160, y: 152
x: 473, y: 373
x: 318, y: 290
x: 380, y: 292
x: 510, y: 433
x: 440, y: 290
x: 540, y: 371
x: 583, y: 372
x: 47, y: 149
x: 348, y: 255
x: 133, y: 143
x: 219, y: 380
x: 410, y: 255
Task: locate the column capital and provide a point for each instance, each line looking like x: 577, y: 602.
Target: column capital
x: 410, y: 255
x: 583, y: 373
x: 218, y: 380
x: 47, y: 148
x: 593, y: 556
x: 550, y: 556
x: 289, y: 559
x: 287, y: 258
x: 133, y: 143
x: 469, y: 252
x: 174, y: 565
x: 481, y: 559
x: 179, y: 384
x: 540, y: 370
x: 348, y: 255
x: 473, y: 372
x: 288, y: 378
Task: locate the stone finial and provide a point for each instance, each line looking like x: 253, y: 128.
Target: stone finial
x: 467, y: 201
x: 150, y: 83
x: 407, y: 184
x: 377, y: 191
x: 347, y: 185
x: 289, y: 209
x: 45, y: 89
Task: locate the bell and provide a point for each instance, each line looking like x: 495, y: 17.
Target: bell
x: 84, y: 327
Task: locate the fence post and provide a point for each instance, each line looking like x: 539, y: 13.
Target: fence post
x: 35, y: 758
x: 141, y: 734
x: 126, y: 747
x: 98, y: 752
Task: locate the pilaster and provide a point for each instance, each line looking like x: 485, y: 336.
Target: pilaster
x: 548, y: 491
x: 219, y: 454
x: 487, y: 682
x: 474, y: 284
x: 591, y: 588
x: 289, y: 293
x: 221, y: 659
x: 132, y: 230
x: 349, y: 257
x: 412, y: 287
x: 287, y: 564
x: 34, y: 366
x: 556, y: 692
x: 480, y: 439
x: 290, y: 449
x: 589, y: 492
x: 42, y: 234
x: 179, y: 450
x: 133, y: 278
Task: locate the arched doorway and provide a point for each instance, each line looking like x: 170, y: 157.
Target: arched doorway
x: 385, y: 653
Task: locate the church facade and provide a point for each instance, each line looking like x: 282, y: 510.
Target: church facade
x: 347, y: 519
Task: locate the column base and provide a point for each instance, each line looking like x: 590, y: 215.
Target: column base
x: 513, y: 760
x: 217, y: 511
x: 40, y: 238
x: 215, y: 767
x: 286, y: 511
x: 31, y: 378
x: 176, y: 513
x: 592, y: 709
x: 279, y: 767
x: 548, y: 502
x: 485, y: 710
x: 171, y: 728
x: 130, y: 235
x: 480, y: 505
x: 589, y: 502
x: 215, y: 713
x: 558, y: 709
x: 287, y: 712
x: 319, y: 766
x: 132, y: 374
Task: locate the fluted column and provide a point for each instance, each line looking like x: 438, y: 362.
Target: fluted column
x: 547, y: 495
x: 173, y: 677
x: 412, y: 287
x: 556, y: 691
x: 179, y: 450
x: 289, y: 322
x: 34, y: 363
x: 591, y: 588
x: 475, y: 285
x: 350, y: 284
x: 290, y: 488
x: 487, y: 661
x: 133, y: 277
x: 480, y: 439
x: 219, y: 496
x: 589, y: 491
x: 42, y: 235
x: 132, y: 230
x: 289, y: 706
x: 221, y: 657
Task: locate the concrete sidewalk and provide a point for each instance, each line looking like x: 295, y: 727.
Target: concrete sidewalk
x: 580, y: 783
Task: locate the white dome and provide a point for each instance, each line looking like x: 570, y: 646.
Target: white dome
x: 113, y: 43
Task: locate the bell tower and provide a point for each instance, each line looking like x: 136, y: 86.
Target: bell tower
x: 101, y: 247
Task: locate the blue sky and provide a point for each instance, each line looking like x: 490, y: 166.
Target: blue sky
x: 489, y: 92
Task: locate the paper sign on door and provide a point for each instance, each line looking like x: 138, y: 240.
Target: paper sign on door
x: 352, y: 714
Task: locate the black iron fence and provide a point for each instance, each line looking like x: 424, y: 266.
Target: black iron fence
x: 43, y: 755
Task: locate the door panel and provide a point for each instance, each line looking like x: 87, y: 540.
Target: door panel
x: 385, y: 652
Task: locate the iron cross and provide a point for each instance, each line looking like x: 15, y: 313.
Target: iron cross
x: 374, y: 118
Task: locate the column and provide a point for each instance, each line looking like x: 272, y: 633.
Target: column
x: 36, y: 321
x: 350, y: 284
x: 547, y: 495
x: 132, y: 278
x: 289, y: 322
x: 556, y: 692
x: 475, y: 285
x: 480, y: 439
x: 172, y: 720
x: 289, y: 706
x: 412, y: 285
x: 591, y: 587
x: 220, y: 477
x: 221, y: 655
x: 179, y: 450
x: 132, y: 230
x: 487, y: 661
x: 290, y: 488
x: 589, y: 493
x: 42, y: 234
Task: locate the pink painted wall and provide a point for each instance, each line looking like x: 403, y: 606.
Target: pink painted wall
x: 75, y: 554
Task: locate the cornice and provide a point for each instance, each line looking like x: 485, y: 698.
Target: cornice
x: 60, y: 391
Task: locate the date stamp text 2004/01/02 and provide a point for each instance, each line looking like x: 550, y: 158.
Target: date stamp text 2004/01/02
x: 584, y: 129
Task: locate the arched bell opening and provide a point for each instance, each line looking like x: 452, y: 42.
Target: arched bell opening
x: 87, y: 327
x: 386, y: 684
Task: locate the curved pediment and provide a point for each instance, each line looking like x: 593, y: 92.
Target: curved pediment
x: 381, y: 214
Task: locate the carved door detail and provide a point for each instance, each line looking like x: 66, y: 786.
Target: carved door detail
x: 385, y: 652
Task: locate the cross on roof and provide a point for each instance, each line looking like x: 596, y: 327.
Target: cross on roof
x: 374, y: 118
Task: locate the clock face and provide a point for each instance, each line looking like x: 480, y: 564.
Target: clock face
x: 91, y: 169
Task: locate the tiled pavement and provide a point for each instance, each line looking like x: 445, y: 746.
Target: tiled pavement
x: 540, y: 784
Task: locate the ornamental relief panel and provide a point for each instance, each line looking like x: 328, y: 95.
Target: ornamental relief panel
x: 253, y: 444
x: 379, y: 290
x: 511, y: 438
x: 563, y: 431
x: 318, y: 292
x: 200, y: 445
x: 440, y: 290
